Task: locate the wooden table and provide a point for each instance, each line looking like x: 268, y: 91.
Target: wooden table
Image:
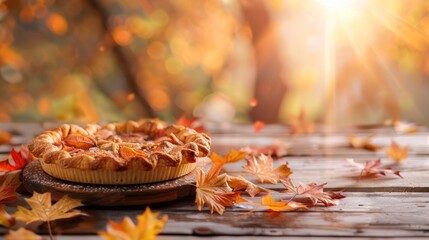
x: 374, y: 207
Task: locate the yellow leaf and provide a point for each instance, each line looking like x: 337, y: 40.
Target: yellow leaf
x: 21, y: 234
x: 43, y: 210
x: 10, y: 183
x: 278, y: 206
x: 262, y: 167
x: 396, y: 153
x: 148, y: 227
x: 233, y: 156
x: 362, y: 142
x: 239, y: 184
x: 6, y: 219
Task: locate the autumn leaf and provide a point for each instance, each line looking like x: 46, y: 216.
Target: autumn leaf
x: 404, y: 127
x: 5, y: 219
x: 21, y: 234
x: 232, y: 156
x: 371, y: 168
x: 262, y: 167
x: 276, y: 149
x: 194, y: 123
x: 313, y: 192
x: 300, y: 124
x: 10, y: 182
x: 397, y: 153
x: 5, y: 138
x: 281, y: 205
x: 258, y: 126
x: 16, y: 160
x: 362, y: 142
x: 147, y: 228
x: 43, y: 210
x: 241, y: 184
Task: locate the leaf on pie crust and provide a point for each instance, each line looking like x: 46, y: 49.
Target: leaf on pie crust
x: 371, y: 168
x: 78, y: 140
x: 262, y: 167
x: 397, y: 153
x: 258, y: 126
x: 43, y: 210
x: 148, y: 227
x: 281, y: 205
x: 313, y: 192
x: 299, y: 124
x: 22, y: 234
x: 9, y: 183
x: 193, y: 122
x: 5, y: 219
x: 241, y: 184
x: 362, y: 142
x: 232, y: 156
x: 16, y: 160
x: 5, y: 138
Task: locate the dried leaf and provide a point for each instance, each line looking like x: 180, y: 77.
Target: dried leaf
x: 258, y: 126
x: 397, y: 153
x: 239, y: 184
x: 10, y: 182
x: 311, y: 191
x: 5, y: 219
x: 43, y: 210
x: 213, y: 190
x: 193, y: 122
x: 232, y: 156
x: 262, y: 167
x: 80, y: 141
x: 147, y: 228
x: 362, y: 142
x: 21, y: 234
x: 404, y: 127
x: 281, y: 205
x: 276, y: 149
x: 5, y: 138
x: 372, y: 167
x: 299, y: 124
x: 16, y: 160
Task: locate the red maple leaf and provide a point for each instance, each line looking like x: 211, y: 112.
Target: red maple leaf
x: 371, y: 168
x: 16, y: 160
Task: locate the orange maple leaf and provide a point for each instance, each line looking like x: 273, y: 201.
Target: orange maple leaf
x: 195, y: 123
x: 276, y: 149
x: 148, y: 227
x: 396, y: 153
x: 5, y: 219
x: 281, y: 205
x: 258, y: 126
x: 300, y: 124
x: 372, y: 167
x: 5, y: 138
x: 21, y: 234
x: 16, y: 160
x: 313, y: 192
x: 213, y: 189
x: 10, y: 182
x: 232, y: 156
x: 362, y: 142
x: 262, y: 167
x: 239, y: 184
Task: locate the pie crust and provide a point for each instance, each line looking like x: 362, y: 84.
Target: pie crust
x: 131, y: 152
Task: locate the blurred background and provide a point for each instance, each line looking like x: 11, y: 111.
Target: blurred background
x: 342, y: 62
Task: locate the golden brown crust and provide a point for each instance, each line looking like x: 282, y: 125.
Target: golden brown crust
x: 143, y: 144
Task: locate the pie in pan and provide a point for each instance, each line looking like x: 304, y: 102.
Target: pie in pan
x: 131, y: 152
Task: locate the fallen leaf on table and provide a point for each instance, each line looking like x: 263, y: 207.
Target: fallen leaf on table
x: 276, y: 149
x: 362, y: 142
x: 5, y: 219
x: 239, y: 184
x: 277, y: 206
x: 258, y: 126
x: 253, y: 102
x: 300, y: 124
x: 43, y: 210
x: 313, y: 192
x: 5, y: 137
x: 9, y: 183
x: 404, y: 127
x: 148, y: 227
x: 16, y: 160
x: 262, y: 167
x: 193, y: 122
x: 397, y: 153
x: 22, y: 234
x: 372, y: 167
x: 213, y: 189
x: 232, y: 156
